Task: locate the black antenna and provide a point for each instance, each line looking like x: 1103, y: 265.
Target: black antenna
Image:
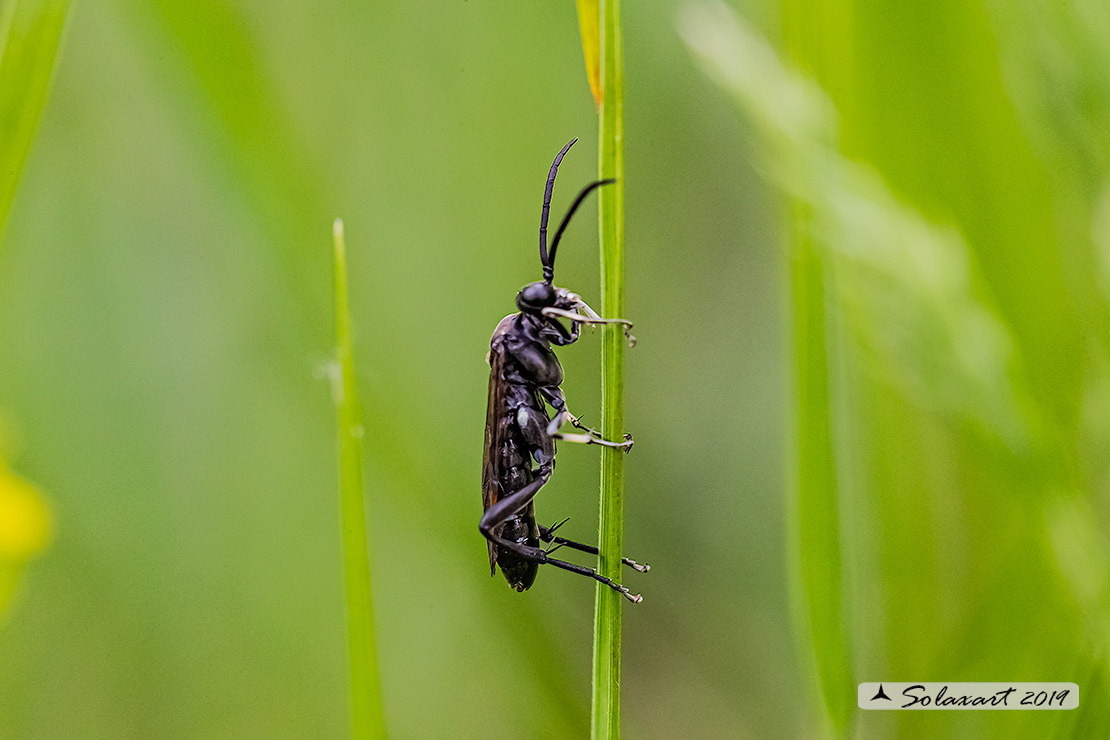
x: 547, y: 267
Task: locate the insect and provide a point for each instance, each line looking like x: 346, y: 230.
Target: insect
x: 520, y: 437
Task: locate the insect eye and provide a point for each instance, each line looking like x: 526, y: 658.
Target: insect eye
x: 536, y: 295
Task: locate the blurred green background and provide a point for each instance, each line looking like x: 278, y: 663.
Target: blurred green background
x: 165, y: 322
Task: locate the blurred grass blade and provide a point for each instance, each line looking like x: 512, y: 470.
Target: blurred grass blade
x: 910, y: 287
x: 818, y: 34
x: 817, y: 558
x: 911, y: 295
x: 814, y: 518
x: 7, y: 10
x: 367, y: 718
x: 605, y: 706
x: 30, y: 35
x: 589, y: 24
x: 213, y: 45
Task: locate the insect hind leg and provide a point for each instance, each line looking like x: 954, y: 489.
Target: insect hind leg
x: 500, y: 512
x: 547, y: 535
x: 590, y: 572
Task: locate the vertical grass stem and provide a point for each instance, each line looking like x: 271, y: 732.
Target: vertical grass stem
x: 605, y: 711
x: 367, y: 719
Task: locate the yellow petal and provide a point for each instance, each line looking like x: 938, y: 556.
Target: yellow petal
x: 589, y: 24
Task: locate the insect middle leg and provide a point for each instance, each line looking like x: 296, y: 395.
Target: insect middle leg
x: 558, y: 402
x: 589, y: 439
x: 577, y: 424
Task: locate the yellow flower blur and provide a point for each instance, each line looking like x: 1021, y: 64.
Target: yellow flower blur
x: 24, y: 519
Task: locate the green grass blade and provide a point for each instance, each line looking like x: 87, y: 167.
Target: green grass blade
x: 209, y: 51
x: 367, y: 718
x: 813, y: 509
x: 30, y: 35
x: 799, y: 125
x: 605, y: 707
x: 818, y: 38
x: 935, y: 359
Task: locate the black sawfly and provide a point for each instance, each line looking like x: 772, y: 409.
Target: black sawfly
x: 524, y: 375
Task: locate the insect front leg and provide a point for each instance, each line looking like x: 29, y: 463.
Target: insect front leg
x: 589, y: 316
x: 558, y: 402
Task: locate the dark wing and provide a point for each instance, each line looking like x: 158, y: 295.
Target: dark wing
x: 491, y: 457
